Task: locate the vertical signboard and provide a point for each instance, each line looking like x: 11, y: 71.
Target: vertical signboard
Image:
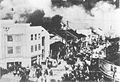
x: 109, y: 69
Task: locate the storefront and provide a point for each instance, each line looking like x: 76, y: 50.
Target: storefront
x: 35, y: 60
x: 11, y: 65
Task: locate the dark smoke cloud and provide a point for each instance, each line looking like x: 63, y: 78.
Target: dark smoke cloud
x: 87, y: 4
x: 99, y: 14
x: 52, y: 24
x: 1, y: 1
x: 22, y: 8
x: 36, y: 18
x: 49, y: 23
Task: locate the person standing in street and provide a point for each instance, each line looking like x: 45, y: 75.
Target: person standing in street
x: 114, y: 72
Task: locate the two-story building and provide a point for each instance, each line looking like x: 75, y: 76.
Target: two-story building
x: 22, y: 44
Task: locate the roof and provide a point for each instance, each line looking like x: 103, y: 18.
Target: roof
x: 76, y: 34
x: 113, y: 39
x: 81, y: 35
x: 66, y: 35
x: 72, y: 32
x: 69, y: 34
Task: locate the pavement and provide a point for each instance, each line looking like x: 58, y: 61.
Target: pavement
x: 11, y: 78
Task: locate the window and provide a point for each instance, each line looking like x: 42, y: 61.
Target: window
x: 35, y: 36
x: 38, y: 46
x: 31, y: 36
x: 18, y: 49
x: 43, y: 41
x: 39, y: 36
x: 35, y: 47
x: 9, y: 38
x: 10, y: 50
x: 43, y: 52
x: 31, y: 48
x: 18, y: 38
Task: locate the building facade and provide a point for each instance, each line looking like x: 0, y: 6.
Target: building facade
x: 22, y: 44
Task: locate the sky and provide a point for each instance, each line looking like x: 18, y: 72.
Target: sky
x: 103, y: 15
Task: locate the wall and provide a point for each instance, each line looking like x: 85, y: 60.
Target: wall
x: 24, y: 31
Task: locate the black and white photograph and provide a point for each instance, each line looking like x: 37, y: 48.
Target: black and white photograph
x: 59, y: 40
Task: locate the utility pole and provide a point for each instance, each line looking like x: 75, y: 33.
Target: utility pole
x: 66, y: 37
x: 117, y: 3
x: 0, y: 72
x: 66, y: 31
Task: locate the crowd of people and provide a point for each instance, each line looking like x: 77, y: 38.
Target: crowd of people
x: 36, y: 71
x: 83, y: 70
x: 82, y: 65
x: 3, y: 71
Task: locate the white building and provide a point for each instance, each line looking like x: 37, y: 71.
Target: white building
x: 22, y: 44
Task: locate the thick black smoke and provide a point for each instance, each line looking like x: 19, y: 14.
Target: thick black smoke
x: 49, y: 23
x: 1, y: 1
x: 87, y: 4
x: 36, y: 18
x: 52, y: 23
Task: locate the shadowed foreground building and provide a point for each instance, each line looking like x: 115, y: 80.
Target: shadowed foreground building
x: 22, y: 44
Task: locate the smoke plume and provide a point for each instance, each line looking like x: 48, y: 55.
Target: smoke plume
x: 106, y: 17
x: 103, y: 17
x: 80, y: 14
x: 20, y: 9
